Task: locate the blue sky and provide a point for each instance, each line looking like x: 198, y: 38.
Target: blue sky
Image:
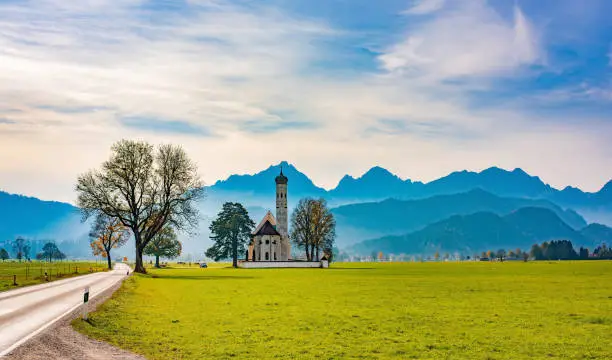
x: 421, y: 87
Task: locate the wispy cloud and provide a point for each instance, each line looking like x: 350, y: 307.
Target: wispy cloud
x: 469, y: 39
x: 250, y: 78
x: 421, y: 7
x: 163, y: 126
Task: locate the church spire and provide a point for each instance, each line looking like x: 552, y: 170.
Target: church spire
x: 281, y: 178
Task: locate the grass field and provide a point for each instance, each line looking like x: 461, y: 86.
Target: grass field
x: 34, y: 273
x: 365, y: 311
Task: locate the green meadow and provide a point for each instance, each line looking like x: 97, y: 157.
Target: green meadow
x: 32, y: 273
x: 483, y: 310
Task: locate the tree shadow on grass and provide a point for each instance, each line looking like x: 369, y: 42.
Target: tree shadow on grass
x: 202, y: 278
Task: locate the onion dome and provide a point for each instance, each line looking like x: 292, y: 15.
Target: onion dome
x: 281, y: 179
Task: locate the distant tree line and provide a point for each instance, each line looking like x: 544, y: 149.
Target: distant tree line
x: 564, y: 250
x: 554, y: 250
x: 22, y: 249
x: 548, y: 250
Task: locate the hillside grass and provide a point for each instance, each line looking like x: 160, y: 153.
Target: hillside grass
x: 34, y: 273
x: 483, y: 310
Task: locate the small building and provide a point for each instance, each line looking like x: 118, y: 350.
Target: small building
x: 270, y: 239
x: 270, y: 246
x: 267, y: 243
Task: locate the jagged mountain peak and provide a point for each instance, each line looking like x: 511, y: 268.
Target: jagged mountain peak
x: 378, y: 171
x: 262, y: 183
x: 377, y: 182
x: 607, y: 188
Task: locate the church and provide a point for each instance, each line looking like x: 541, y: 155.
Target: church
x: 270, y: 239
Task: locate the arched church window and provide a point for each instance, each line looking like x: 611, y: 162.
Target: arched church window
x: 267, y: 242
x: 267, y: 256
x: 274, y: 255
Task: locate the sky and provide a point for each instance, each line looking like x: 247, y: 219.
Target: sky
x: 420, y: 87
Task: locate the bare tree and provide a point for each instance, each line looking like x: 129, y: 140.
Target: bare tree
x: 106, y: 234
x: 21, y: 248
x: 324, y: 229
x: 301, y: 225
x: 313, y: 227
x: 144, y: 188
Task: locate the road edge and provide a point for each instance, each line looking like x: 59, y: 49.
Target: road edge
x: 65, y: 318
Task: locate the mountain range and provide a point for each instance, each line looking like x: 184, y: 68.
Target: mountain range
x: 28, y: 216
x: 482, y: 231
x: 379, y: 184
x: 42, y: 221
x: 373, y: 205
x: 393, y: 217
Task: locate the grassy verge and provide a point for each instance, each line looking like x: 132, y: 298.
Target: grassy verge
x: 365, y: 311
x: 34, y: 273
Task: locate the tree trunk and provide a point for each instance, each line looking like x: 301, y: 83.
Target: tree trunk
x: 139, y: 267
x: 108, y: 257
x: 307, y: 253
x: 312, y: 252
x: 157, y: 261
x: 317, y: 253
x: 235, y: 252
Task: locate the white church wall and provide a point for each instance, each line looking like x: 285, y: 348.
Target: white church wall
x: 279, y: 264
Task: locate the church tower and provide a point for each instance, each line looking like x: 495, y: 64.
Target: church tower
x: 281, y: 215
x: 281, y: 204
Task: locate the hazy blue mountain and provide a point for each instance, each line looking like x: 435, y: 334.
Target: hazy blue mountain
x: 474, y: 233
x: 41, y: 221
x: 27, y: 216
x: 376, y: 183
x: 379, y: 184
x: 51, y: 220
x: 494, y: 179
x: 357, y: 222
x: 261, y: 185
x: 604, y: 196
x: 597, y: 234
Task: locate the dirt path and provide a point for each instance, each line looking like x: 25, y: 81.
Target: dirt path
x: 60, y: 341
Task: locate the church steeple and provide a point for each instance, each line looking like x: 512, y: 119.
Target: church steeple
x: 281, y: 204
x: 281, y: 178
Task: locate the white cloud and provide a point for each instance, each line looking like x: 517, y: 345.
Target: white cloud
x: 71, y: 69
x: 421, y: 7
x: 469, y: 39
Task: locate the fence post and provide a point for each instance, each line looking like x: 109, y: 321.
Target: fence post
x: 14, y: 279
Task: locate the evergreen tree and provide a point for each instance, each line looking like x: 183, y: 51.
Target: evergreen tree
x: 4, y: 255
x: 536, y: 252
x: 230, y: 232
x: 603, y: 252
